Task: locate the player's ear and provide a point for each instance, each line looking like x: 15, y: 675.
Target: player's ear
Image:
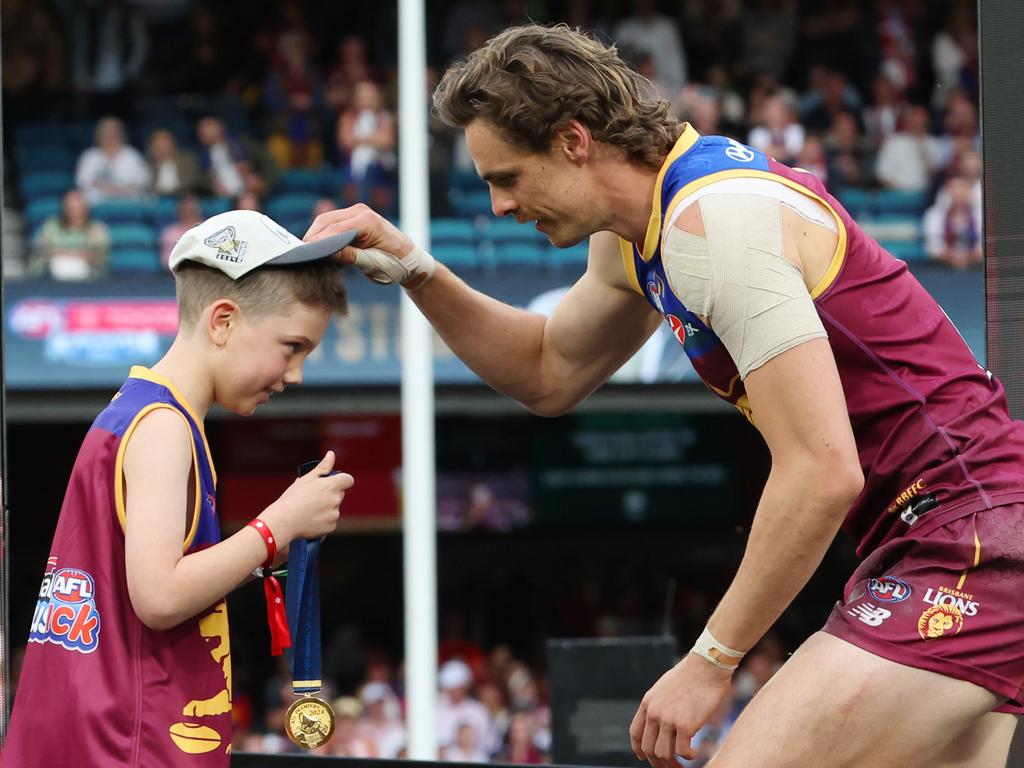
x: 221, y: 317
x: 574, y: 140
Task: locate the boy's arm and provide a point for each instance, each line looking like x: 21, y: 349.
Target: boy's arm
x: 165, y: 587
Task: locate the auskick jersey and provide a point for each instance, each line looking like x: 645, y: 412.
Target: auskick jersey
x: 933, y: 431
x: 98, y: 687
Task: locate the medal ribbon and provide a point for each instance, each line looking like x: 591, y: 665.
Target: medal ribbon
x: 302, y: 602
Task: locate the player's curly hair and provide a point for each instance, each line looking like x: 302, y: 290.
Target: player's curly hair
x: 529, y: 81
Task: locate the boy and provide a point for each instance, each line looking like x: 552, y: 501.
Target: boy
x: 128, y: 661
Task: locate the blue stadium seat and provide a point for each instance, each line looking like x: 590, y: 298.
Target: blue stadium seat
x: 164, y: 211
x: 134, y: 260
x: 40, y: 209
x: 907, y: 250
x: 458, y: 255
x: 465, y: 180
x: 121, y: 211
x: 40, y: 133
x: 44, y: 157
x: 518, y: 255
x: 470, y: 204
x: 132, y: 236
x: 890, y: 201
x: 507, y: 230
x: 46, y: 184
x: 858, y: 202
x: 453, y: 232
x: 300, y: 180
x: 211, y: 206
x: 292, y: 206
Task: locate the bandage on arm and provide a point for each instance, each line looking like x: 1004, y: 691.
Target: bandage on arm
x: 411, y: 271
x: 737, y: 277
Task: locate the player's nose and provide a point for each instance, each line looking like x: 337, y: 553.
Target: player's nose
x: 502, y: 205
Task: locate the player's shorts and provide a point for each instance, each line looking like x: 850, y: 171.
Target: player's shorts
x: 951, y: 602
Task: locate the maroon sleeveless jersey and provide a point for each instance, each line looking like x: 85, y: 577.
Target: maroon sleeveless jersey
x: 935, y: 438
x: 98, y: 687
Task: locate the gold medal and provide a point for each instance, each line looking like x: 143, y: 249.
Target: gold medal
x: 309, y: 722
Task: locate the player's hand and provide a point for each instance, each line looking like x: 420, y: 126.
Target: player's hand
x: 374, y: 231
x: 675, y: 709
x: 309, y: 508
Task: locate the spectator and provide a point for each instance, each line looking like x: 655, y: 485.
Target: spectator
x: 71, y: 246
x: 519, y: 747
x: 188, y: 216
x: 381, y: 723
x: 467, y: 748
x: 908, y: 159
x: 323, y: 205
x: 658, y: 35
x: 778, y: 134
x: 352, y: 67
x: 232, y: 165
x: 849, y: 158
x: 830, y: 94
x: 883, y: 116
x: 347, y: 740
x: 208, y: 67
x: 109, y: 45
x: 248, y: 201
x: 174, y: 171
x: 955, y: 53
x: 367, y: 137
x: 699, y: 106
x: 33, y: 58
x: 768, y: 38
x: 456, y: 708
x: 112, y: 169
x: 952, y: 227
x: 812, y: 158
x: 292, y: 95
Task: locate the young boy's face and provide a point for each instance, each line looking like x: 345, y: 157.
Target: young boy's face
x: 264, y: 355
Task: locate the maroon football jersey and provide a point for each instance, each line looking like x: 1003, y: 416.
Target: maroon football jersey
x: 126, y: 695
x: 935, y: 437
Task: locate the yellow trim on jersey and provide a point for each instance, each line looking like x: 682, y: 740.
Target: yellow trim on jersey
x: 141, y: 372
x: 977, y: 558
x: 749, y: 173
x: 626, y: 249
x: 119, y: 500
x: 686, y: 140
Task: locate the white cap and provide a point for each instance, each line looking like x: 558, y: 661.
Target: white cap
x: 376, y: 691
x: 454, y: 674
x: 238, y: 242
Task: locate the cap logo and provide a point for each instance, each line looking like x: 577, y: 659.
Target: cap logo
x: 229, y: 248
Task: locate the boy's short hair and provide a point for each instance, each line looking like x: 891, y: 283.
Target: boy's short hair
x: 262, y: 292
x: 254, y: 261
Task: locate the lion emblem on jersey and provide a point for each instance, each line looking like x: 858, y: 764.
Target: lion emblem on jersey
x: 938, y: 620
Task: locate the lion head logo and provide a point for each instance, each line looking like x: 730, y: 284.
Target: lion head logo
x: 939, y: 620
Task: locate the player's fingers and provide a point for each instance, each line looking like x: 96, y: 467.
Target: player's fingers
x: 332, y: 219
x: 326, y: 463
x: 664, y: 747
x: 636, y: 731
x: 682, y: 746
x: 343, y: 480
x: 650, y: 738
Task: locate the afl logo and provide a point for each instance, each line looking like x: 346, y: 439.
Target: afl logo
x: 72, y: 586
x: 738, y: 152
x: 889, y: 589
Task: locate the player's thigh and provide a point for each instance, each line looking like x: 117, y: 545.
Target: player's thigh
x: 984, y: 745
x: 834, y: 705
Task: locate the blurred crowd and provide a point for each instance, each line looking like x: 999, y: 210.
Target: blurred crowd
x: 293, y: 115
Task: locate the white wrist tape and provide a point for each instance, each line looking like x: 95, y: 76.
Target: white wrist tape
x: 410, y: 271
x: 722, y: 656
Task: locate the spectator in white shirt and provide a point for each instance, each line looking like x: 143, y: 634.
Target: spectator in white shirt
x: 908, y: 159
x: 456, y: 708
x: 647, y: 30
x: 112, y: 169
x: 777, y: 133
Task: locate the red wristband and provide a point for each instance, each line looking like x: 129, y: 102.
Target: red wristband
x: 268, y: 539
x: 280, y: 637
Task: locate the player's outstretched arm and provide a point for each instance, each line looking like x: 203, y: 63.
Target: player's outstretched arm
x: 165, y: 587
x: 798, y: 403
x: 548, y: 364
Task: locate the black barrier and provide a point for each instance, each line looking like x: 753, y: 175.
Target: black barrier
x: 252, y: 760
